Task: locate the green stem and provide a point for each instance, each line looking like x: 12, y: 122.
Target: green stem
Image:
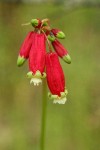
x: 43, y: 122
x: 48, y: 42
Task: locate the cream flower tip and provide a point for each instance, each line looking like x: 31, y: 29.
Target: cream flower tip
x: 60, y: 101
x: 36, y: 81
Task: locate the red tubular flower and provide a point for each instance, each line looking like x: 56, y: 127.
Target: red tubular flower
x: 37, y: 59
x: 25, y: 49
x: 55, y: 79
x: 61, y: 51
x: 58, y: 33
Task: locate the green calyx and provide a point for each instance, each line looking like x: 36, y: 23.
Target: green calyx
x: 51, y: 38
x: 63, y: 94
x: 45, y: 24
x: 34, y: 22
x: 60, y: 35
x: 36, y: 75
x: 67, y: 58
x: 20, y: 60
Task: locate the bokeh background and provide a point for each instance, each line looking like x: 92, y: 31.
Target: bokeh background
x: 75, y: 125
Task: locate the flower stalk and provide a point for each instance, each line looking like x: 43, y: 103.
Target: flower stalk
x: 43, y: 119
x: 48, y: 42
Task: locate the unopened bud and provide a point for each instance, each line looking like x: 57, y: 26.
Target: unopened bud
x: 20, y: 61
x: 36, y: 23
x: 67, y: 58
x: 45, y: 24
x: 58, y: 33
x: 51, y: 38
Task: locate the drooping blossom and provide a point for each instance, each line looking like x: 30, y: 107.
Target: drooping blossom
x: 25, y: 49
x: 55, y: 79
x: 58, y: 33
x: 61, y: 51
x: 37, y: 59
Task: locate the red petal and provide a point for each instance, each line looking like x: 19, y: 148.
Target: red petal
x: 26, y: 46
x: 59, y: 48
x: 55, y: 75
x: 37, y: 53
x: 55, y: 31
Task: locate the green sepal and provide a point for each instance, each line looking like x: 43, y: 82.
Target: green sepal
x: 44, y: 75
x: 67, y: 58
x: 66, y: 92
x: 51, y: 38
x: 36, y: 75
x: 52, y: 96
x: 34, y: 22
x: 30, y: 74
x: 63, y: 94
x: 20, y: 60
x: 45, y: 24
x: 60, y: 35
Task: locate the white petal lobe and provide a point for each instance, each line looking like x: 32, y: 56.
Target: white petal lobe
x: 36, y: 81
x: 60, y: 101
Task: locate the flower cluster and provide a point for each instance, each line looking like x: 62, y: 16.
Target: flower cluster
x: 42, y: 63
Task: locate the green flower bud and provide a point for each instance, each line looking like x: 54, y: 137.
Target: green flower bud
x: 67, y: 58
x: 45, y: 24
x: 51, y: 38
x: 36, y: 23
x: 20, y: 61
x: 60, y: 35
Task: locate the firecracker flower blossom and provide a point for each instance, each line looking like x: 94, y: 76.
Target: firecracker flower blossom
x: 61, y: 51
x: 25, y: 49
x: 58, y: 33
x: 37, y: 59
x: 55, y: 79
x: 34, y: 49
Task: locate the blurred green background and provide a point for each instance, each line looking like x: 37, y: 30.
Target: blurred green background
x: 75, y: 125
